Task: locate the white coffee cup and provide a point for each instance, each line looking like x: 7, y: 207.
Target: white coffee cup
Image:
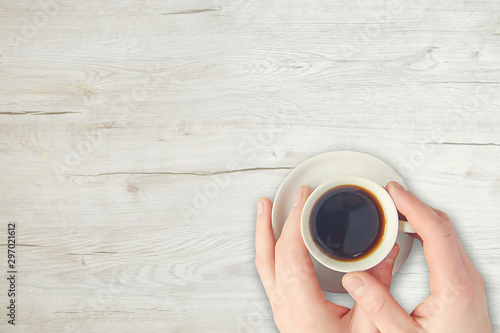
x: 391, y: 226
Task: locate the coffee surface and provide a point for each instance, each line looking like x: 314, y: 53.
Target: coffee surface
x: 347, y: 223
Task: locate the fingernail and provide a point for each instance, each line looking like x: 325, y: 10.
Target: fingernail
x: 354, y: 285
x: 260, y: 207
x: 398, y: 186
x: 298, y: 196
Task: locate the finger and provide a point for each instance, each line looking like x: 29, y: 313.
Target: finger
x: 463, y: 255
x: 383, y: 271
x: 438, y: 236
x: 295, y: 274
x: 291, y: 228
x: 441, y: 214
x: 416, y: 236
x: 264, y: 245
x: 378, y: 304
x: 403, y: 218
x: 358, y: 321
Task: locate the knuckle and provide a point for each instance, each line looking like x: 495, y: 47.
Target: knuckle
x: 477, y: 279
x: 445, y: 216
x: 286, y: 253
x: 442, y: 215
x: 480, y: 281
x: 291, y: 280
x: 446, y: 229
x: 470, y: 292
x: 277, y: 298
x: 463, y: 287
x: 375, y: 307
x: 465, y: 305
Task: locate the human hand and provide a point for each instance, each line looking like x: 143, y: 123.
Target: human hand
x: 457, y: 302
x: 288, y: 276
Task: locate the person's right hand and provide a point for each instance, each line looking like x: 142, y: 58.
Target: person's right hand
x: 457, y: 302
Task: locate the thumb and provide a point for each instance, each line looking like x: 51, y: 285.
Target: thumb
x: 374, y: 298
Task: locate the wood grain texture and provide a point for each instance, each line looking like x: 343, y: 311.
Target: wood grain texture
x: 136, y: 137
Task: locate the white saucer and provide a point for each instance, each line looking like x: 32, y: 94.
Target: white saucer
x: 321, y: 168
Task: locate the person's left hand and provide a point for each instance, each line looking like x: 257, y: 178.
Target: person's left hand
x: 288, y: 276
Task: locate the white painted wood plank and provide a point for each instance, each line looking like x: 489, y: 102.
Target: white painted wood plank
x: 117, y: 114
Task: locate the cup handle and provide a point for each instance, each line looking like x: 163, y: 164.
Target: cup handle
x: 405, y: 226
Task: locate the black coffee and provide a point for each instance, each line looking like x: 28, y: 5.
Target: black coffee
x: 347, y: 223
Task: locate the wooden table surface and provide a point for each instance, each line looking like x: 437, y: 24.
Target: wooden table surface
x: 136, y: 137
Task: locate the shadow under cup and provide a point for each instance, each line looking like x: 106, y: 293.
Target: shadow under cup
x: 349, y: 224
